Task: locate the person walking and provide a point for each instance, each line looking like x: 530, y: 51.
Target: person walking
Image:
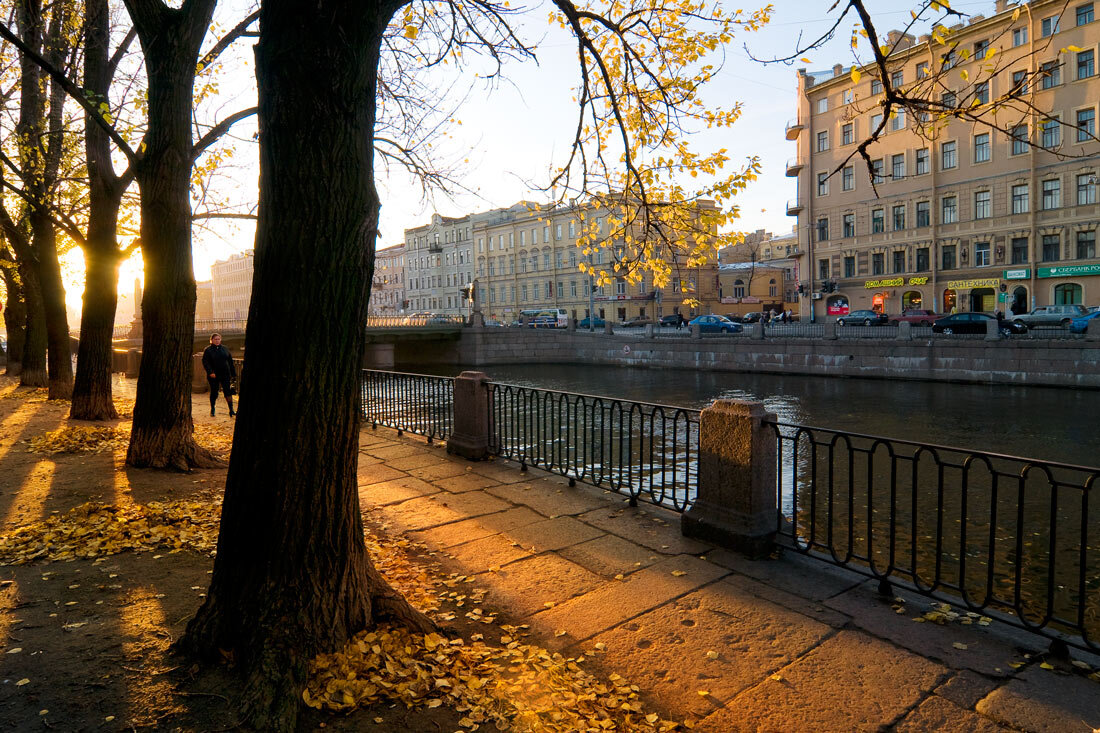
x: 220, y: 371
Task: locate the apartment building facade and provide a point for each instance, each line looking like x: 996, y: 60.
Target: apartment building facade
x: 387, y: 292
x: 232, y: 285
x: 965, y: 217
x: 438, y: 264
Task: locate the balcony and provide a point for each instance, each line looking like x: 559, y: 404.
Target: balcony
x: 794, y: 207
x: 794, y: 129
x: 794, y: 167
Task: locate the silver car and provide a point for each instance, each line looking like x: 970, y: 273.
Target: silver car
x: 1050, y: 315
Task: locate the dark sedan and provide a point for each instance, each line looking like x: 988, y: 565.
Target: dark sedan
x: 863, y: 318
x: 716, y: 324
x: 974, y: 323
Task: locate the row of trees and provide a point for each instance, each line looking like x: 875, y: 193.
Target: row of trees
x: 338, y: 86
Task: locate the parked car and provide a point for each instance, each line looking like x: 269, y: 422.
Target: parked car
x: 974, y: 323
x: 863, y: 318
x: 493, y: 323
x: 1081, y: 323
x: 597, y: 323
x: 750, y: 317
x: 636, y: 322
x: 716, y: 324
x: 1051, y: 315
x: 672, y: 320
x: 916, y: 317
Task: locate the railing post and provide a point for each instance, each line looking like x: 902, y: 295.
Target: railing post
x: 470, y: 438
x: 830, y: 331
x: 1092, y: 333
x: 905, y: 331
x: 650, y: 331
x: 992, y: 330
x: 756, y: 331
x: 736, y: 503
x: 133, y: 363
x: 696, y: 331
x: 608, y: 327
x: 571, y: 325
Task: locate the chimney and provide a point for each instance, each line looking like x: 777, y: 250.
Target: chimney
x: 976, y: 19
x: 1003, y: 5
x: 838, y: 70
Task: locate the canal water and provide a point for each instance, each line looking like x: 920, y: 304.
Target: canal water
x: 1035, y: 422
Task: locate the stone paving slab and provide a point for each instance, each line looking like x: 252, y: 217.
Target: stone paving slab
x: 400, y: 450
x: 806, y: 606
x: 796, y: 573
x: 549, y: 497
x: 943, y: 716
x: 376, y: 473
x: 394, y: 492
x: 525, y: 587
x: 504, y: 472
x: 493, y: 551
x: 850, y: 682
x: 1043, y: 700
x: 468, y: 481
x: 651, y: 527
x: 554, y: 534
x: 440, y: 470
x: 418, y: 460
x: 457, y: 533
x: 618, y: 601
x: 608, y: 555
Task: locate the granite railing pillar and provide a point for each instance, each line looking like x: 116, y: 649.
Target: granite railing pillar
x: 737, y: 503
x: 905, y: 331
x: 133, y: 363
x: 830, y: 331
x: 608, y: 327
x: 696, y: 331
x: 472, y: 406
x: 992, y: 330
x: 1092, y: 332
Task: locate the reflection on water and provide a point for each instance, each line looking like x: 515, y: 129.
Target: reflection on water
x: 1036, y: 422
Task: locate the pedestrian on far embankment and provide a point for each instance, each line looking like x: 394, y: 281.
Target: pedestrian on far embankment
x: 220, y: 372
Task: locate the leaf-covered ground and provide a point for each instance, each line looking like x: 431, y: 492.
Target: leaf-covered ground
x: 101, y: 567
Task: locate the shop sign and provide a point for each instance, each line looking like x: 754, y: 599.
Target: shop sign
x: 837, y: 309
x: 922, y: 280
x: 1069, y: 270
x: 750, y: 299
x: 728, y: 299
x: 896, y: 282
x: 990, y: 282
x: 1022, y: 273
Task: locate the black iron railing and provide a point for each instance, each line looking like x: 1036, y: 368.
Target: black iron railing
x: 420, y: 319
x: 1014, y: 538
x: 645, y: 451
x: 220, y: 324
x: 422, y: 404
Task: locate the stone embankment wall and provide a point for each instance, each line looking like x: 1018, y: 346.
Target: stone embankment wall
x: 1032, y: 362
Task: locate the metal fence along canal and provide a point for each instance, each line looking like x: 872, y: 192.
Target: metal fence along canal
x: 422, y: 404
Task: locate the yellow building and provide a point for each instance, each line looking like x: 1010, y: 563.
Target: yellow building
x: 965, y: 216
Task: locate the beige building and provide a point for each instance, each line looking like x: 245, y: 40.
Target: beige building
x: 527, y: 258
x: 204, y: 303
x: 387, y: 292
x: 965, y: 217
x: 438, y: 264
x: 232, y: 279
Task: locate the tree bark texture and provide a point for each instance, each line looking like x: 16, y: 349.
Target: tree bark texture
x: 162, y: 433
x: 15, y: 313
x: 33, y: 373
x: 92, y: 398
x: 292, y: 576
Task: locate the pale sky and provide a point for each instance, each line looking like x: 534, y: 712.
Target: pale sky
x: 514, y: 130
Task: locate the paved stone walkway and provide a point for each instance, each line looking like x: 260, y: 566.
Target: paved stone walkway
x: 789, y: 644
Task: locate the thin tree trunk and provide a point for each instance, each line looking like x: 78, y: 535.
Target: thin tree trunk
x: 162, y: 434
x: 59, y: 355
x: 15, y: 315
x: 34, y: 344
x: 92, y: 389
x: 292, y: 575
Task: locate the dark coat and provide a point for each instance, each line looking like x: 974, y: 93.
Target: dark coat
x: 217, y: 360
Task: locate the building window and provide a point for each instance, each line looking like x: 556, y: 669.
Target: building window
x: 1052, y: 194
x: 822, y: 184
x: 981, y: 148
x: 981, y: 254
x: 1051, y: 74
x: 1084, y: 14
x: 899, y: 217
x: 822, y: 141
x: 948, y: 61
x: 1020, y: 203
x: 899, y: 260
x: 878, y: 264
x: 847, y: 134
x: 1019, y: 36
x: 1049, y: 26
x: 848, y: 96
x: 823, y: 105
x: 948, y: 100
x: 849, y: 266
x: 1067, y: 294
x: 1086, y: 64
x: 573, y: 288
x: 878, y: 221
x: 897, y: 119
x: 848, y: 178
x: 739, y: 288
x: 1086, y: 245
x: 947, y: 256
x: 1019, y: 250
x: 948, y: 155
x: 924, y: 210
x: 849, y: 223
x: 1052, y: 245
x: 949, y: 211
x: 877, y: 170
x: 876, y: 86
x: 897, y: 166
x: 982, y: 205
x: 922, y: 161
x: 876, y: 123
x: 523, y: 292
x: 823, y: 269
x: 822, y: 230
x: 897, y: 78
x: 1019, y: 83
x: 922, y: 70
x: 1019, y: 140
x: 1086, y: 125
x: 546, y: 260
x: 922, y: 259
x: 1086, y: 189
x: 981, y: 92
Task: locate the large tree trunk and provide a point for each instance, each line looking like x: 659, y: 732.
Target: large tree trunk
x: 92, y: 389
x: 292, y: 577
x: 162, y: 434
x: 60, y: 357
x: 15, y: 315
x: 34, y: 344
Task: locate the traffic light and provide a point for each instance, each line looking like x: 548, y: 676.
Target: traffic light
x: 468, y: 292
x: 801, y: 289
